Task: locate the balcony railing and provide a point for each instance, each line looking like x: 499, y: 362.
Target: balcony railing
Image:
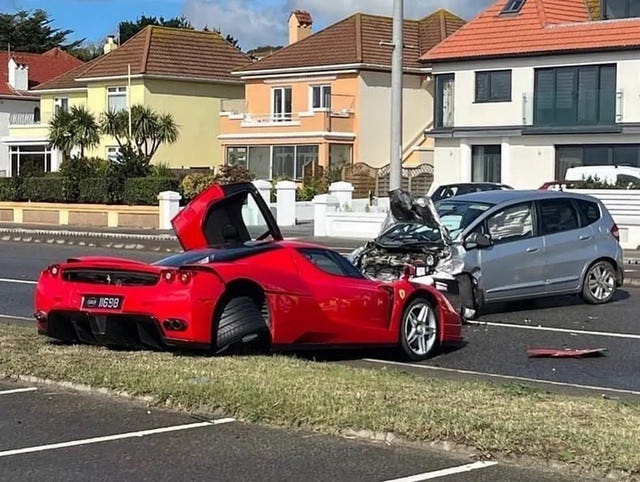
x: 23, y: 119
x: 579, y: 108
x: 233, y: 106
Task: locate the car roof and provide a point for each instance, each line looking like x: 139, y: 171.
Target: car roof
x: 500, y: 197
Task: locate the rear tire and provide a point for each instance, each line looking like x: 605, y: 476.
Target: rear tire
x: 241, y: 321
x: 419, y: 330
x: 599, y: 284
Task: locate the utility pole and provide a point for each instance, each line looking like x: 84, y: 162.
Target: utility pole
x: 395, y: 173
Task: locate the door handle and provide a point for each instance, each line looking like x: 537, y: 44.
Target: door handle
x: 585, y: 237
x: 533, y: 250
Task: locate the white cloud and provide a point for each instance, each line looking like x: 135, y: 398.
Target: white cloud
x: 258, y: 22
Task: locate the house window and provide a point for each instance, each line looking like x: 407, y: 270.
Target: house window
x: 260, y: 161
x: 281, y: 104
x: 513, y: 6
x: 493, y: 86
x: 572, y: 96
x: 272, y: 162
x: 340, y: 155
x: 283, y: 162
x: 36, y: 115
x: 237, y: 156
x: 595, y: 155
x: 29, y: 160
x: 612, y: 9
x: 112, y: 153
x: 486, y: 164
x: 307, y: 158
x: 444, y: 104
x: 116, y: 98
x: 61, y: 104
x: 321, y: 96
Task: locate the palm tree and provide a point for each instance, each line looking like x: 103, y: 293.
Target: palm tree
x: 76, y: 128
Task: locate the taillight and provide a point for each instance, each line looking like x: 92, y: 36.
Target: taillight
x: 615, y: 232
x: 185, y: 277
x: 54, y: 270
x: 169, y: 276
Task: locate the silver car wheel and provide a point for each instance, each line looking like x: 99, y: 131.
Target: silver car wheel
x: 420, y: 328
x: 601, y: 282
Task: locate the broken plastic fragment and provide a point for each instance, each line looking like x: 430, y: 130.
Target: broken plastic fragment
x: 565, y: 352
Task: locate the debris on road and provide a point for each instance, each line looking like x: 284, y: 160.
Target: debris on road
x: 565, y: 352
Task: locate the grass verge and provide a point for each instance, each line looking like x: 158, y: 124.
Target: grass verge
x: 595, y: 434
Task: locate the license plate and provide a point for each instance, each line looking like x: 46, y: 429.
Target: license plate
x: 102, y: 302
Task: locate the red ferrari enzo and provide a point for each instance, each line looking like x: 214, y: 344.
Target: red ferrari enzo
x: 238, y: 281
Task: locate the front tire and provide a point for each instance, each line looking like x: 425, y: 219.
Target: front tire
x: 599, y: 283
x: 241, y: 321
x: 419, y: 330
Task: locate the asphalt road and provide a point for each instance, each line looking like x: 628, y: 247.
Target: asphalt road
x: 50, y: 434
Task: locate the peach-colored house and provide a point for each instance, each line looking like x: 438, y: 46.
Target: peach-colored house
x: 325, y: 97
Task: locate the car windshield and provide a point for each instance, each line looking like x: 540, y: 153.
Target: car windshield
x: 410, y: 233
x: 457, y: 215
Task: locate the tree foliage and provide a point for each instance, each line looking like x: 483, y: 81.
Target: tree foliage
x: 33, y: 32
x: 129, y: 28
x: 76, y: 128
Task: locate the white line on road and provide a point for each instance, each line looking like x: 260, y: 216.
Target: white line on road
x: 557, y: 330
x: 108, y: 438
x: 18, y: 390
x: 18, y: 281
x: 444, y: 472
x: 503, y: 377
x: 14, y: 317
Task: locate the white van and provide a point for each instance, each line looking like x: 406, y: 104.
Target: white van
x: 608, y: 174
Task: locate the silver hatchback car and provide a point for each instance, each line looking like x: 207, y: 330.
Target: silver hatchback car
x: 528, y: 244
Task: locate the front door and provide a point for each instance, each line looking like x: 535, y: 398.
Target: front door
x: 514, y: 265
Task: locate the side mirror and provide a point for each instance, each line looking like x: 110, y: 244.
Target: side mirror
x: 475, y: 240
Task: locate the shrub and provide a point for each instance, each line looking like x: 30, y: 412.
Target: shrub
x: 194, y: 184
x: 162, y: 170
x: 128, y: 164
x: 10, y: 188
x: 145, y: 190
x: 43, y: 189
x: 95, y: 190
x: 75, y: 169
x: 230, y: 174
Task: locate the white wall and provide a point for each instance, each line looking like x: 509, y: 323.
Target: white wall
x: 375, y: 113
x: 469, y: 114
x: 8, y: 107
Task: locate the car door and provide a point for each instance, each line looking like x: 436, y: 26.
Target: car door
x: 513, y: 266
x: 353, y: 308
x: 568, y: 245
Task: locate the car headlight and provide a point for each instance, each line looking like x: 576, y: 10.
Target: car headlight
x: 431, y: 260
x: 451, y: 266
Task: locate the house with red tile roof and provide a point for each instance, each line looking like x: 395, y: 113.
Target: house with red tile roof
x: 185, y: 73
x: 530, y: 88
x: 19, y: 73
x: 324, y: 99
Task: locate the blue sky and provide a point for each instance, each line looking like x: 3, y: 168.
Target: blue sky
x: 253, y: 22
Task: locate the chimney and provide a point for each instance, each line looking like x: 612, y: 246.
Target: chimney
x: 300, y: 23
x: 18, y: 75
x: 111, y: 44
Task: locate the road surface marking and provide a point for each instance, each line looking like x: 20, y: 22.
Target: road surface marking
x: 505, y: 377
x: 108, y: 438
x: 444, y: 472
x: 557, y: 330
x: 18, y: 390
x: 18, y: 281
x: 14, y: 317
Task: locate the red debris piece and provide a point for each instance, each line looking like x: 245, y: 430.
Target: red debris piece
x: 565, y: 352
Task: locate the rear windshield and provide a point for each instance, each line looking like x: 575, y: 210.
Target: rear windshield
x: 457, y: 215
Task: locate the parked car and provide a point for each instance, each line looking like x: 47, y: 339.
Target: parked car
x: 451, y: 190
x: 621, y: 175
x: 236, y: 282
x: 527, y: 244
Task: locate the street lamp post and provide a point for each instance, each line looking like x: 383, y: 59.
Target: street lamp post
x: 395, y: 173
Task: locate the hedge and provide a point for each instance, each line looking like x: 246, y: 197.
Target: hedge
x: 43, y: 189
x: 94, y: 190
x: 9, y: 188
x: 145, y: 190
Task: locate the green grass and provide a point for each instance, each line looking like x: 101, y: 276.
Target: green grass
x: 283, y: 391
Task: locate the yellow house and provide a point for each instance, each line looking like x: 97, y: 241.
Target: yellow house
x: 184, y: 73
x: 325, y: 97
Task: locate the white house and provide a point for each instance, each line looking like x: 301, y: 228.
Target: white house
x: 530, y: 88
x: 19, y: 72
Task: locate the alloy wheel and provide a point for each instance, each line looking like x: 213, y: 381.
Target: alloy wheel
x: 420, y: 328
x: 601, y: 282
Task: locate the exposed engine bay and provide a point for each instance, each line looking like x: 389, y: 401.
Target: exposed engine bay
x: 411, y: 235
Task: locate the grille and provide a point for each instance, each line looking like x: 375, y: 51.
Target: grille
x: 110, y: 277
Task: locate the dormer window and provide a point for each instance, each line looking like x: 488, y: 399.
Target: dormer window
x: 513, y: 6
x: 612, y: 9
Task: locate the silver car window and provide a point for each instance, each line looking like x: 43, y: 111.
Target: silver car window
x: 511, y: 224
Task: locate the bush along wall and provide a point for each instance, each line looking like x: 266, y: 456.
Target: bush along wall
x: 145, y: 190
